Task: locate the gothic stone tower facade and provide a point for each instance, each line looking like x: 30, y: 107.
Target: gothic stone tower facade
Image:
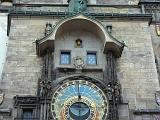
x: 81, y: 60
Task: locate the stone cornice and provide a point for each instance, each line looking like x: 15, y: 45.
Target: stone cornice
x: 96, y: 15
x: 147, y: 17
x: 146, y: 111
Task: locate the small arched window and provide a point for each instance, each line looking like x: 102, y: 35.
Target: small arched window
x: 78, y: 43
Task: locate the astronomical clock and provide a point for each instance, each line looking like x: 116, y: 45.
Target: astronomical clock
x: 79, y: 100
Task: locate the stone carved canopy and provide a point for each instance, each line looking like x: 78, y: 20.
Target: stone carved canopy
x: 80, y: 22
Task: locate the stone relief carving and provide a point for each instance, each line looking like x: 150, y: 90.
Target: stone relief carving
x: 78, y: 62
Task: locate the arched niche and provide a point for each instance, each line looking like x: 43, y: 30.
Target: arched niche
x: 81, y: 22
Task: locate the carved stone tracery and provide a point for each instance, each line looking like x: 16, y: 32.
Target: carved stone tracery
x: 152, y: 8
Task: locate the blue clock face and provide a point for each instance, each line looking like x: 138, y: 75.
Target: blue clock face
x: 79, y: 111
x: 79, y: 100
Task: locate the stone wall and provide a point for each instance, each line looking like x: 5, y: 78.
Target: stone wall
x: 125, y: 10
x: 156, y: 46
x: 22, y: 67
x: 136, y: 68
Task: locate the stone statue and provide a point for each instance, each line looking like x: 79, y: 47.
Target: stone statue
x: 81, y: 5
x: 48, y: 29
x: 45, y: 87
x: 77, y: 5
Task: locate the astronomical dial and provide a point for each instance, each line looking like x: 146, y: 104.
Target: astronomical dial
x: 79, y: 100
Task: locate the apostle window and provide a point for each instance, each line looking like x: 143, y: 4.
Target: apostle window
x: 91, y: 58
x: 65, y: 58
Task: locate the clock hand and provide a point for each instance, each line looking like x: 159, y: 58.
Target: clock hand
x: 79, y: 109
x: 79, y: 95
x: 79, y: 98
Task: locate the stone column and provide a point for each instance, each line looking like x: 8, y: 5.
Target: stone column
x: 111, y: 80
x: 46, y: 78
x: 111, y: 74
x: 47, y: 68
